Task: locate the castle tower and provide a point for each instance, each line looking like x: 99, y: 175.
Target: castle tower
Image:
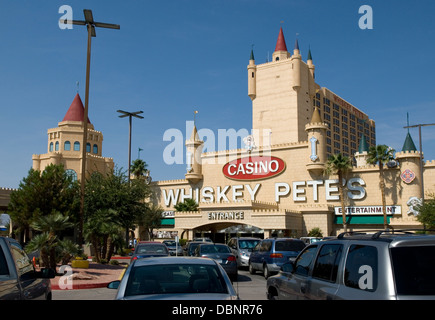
x: 410, y: 174
x: 280, y: 52
x: 362, y: 154
x: 65, y: 143
x: 193, y: 157
x: 297, y: 60
x: 252, y: 77
x: 316, y: 129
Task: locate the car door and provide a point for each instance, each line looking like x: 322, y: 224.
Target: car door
x: 255, y: 257
x: 9, y: 287
x: 296, y: 286
x: 32, y: 287
x: 323, y: 282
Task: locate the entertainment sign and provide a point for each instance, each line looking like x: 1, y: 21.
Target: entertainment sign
x: 368, y: 210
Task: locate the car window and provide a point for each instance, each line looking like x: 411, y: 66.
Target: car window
x: 152, y: 248
x: 289, y: 245
x: 248, y: 244
x: 258, y: 246
x: 414, y: 270
x: 303, y: 262
x: 3, y: 264
x: 326, y: 265
x: 22, y: 261
x: 265, y: 246
x: 361, y: 270
x: 168, y: 279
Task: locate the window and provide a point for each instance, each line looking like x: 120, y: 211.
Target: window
x: 302, y: 264
x: 95, y: 149
x: 56, y: 146
x: 51, y: 147
x: 67, y: 146
x: 326, y: 266
x: 265, y: 246
x: 88, y: 147
x: 361, y: 268
x: 22, y: 261
x: 76, y: 146
x: 252, y: 75
x: 71, y: 173
x: 4, y: 270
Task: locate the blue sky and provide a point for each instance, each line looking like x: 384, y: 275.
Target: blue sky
x: 173, y: 57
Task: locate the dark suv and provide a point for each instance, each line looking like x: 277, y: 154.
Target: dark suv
x: 270, y: 254
x: 380, y: 266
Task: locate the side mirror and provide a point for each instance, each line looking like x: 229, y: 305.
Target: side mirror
x: 114, y: 284
x: 45, y: 273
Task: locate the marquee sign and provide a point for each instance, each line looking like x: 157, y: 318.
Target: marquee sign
x: 253, y: 168
x: 368, y: 210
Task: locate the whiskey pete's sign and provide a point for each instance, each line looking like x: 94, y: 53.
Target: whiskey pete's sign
x: 253, y: 168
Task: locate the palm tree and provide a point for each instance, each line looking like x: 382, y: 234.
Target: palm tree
x: 381, y: 154
x: 187, y: 205
x: 340, y: 165
x: 138, y: 168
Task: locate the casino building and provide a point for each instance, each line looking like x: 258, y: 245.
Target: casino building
x: 276, y: 185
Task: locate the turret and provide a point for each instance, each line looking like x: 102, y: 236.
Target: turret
x: 362, y: 155
x: 280, y: 52
x: 296, y: 60
x: 316, y: 130
x: 410, y: 174
x: 193, y: 157
x: 252, y: 77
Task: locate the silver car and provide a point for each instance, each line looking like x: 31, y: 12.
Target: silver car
x: 175, y: 249
x: 242, y: 248
x: 174, y: 278
x: 379, y: 266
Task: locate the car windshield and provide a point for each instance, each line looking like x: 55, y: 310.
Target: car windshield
x: 289, y: 245
x: 248, y: 244
x: 214, y: 249
x: 151, y: 248
x: 414, y: 270
x: 169, y: 243
x: 167, y: 279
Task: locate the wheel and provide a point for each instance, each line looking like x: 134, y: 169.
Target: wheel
x: 266, y: 271
x: 251, y: 269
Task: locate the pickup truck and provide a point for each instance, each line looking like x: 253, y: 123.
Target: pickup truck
x: 18, y: 278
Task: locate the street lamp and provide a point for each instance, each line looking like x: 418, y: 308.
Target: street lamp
x: 130, y: 115
x: 421, y: 153
x: 90, y: 24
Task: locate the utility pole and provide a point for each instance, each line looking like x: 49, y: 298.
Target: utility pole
x: 90, y: 24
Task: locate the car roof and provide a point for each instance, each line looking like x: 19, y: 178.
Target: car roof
x: 247, y: 238
x: 173, y: 260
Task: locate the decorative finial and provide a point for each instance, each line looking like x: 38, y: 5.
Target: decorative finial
x: 78, y: 86
x: 194, y: 117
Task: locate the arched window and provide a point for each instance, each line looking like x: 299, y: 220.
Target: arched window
x: 76, y: 146
x: 88, y: 147
x: 71, y: 173
x: 56, y: 146
x: 67, y: 146
x: 95, y: 149
x: 51, y: 147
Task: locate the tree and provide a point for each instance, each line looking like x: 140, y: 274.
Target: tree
x: 138, y: 168
x: 150, y: 219
x: 41, y: 194
x: 187, y: 205
x: 426, y: 211
x: 315, y: 232
x: 340, y: 165
x: 381, y: 155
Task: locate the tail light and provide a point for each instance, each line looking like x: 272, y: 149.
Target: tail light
x: 276, y: 255
x: 134, y: 258
x: 231, y: 258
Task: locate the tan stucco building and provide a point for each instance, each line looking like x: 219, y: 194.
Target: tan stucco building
x: 277, y: 185
x: 65, y: 145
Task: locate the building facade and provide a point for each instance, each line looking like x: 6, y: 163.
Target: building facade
x: 65, y: 145
x: 277, y: 185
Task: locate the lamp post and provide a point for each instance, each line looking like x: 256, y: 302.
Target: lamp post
x: 90, y: 24
x: 130, y: 115
x: 421, y: 153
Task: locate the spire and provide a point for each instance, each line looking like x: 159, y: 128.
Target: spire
x: 296, y: 44
x: 76, y: 110
x: 363, y: 146
x: 252, y: 55
x: 194, y: 136
x: 309, y: 55
x: 409, y: 144
x: 280, y: 43
x: 316, y: 118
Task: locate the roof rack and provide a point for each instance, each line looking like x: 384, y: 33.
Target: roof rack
x: 378, y: 232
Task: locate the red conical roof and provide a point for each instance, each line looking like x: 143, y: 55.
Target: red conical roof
x: 280, y: 43
x: 76, y: 110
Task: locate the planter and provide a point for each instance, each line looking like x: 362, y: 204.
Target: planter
x: 80, y: 263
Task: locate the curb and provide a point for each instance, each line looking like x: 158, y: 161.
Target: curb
x: 82, y: 286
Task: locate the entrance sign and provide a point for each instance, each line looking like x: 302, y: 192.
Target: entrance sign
x: 253, y: 168
x: 239, y: 215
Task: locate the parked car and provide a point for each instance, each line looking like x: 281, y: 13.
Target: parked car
x: 242, y: 248
x: 310, y: 240
x: 191, y: 246
x: 18, y: 278
x: 222, y: 254
x: 270, y: 254
x: 174, y: 278
x: 203, y: 239
x: 149, y: 249
x: 174, y: 248
x: 379, y: 266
